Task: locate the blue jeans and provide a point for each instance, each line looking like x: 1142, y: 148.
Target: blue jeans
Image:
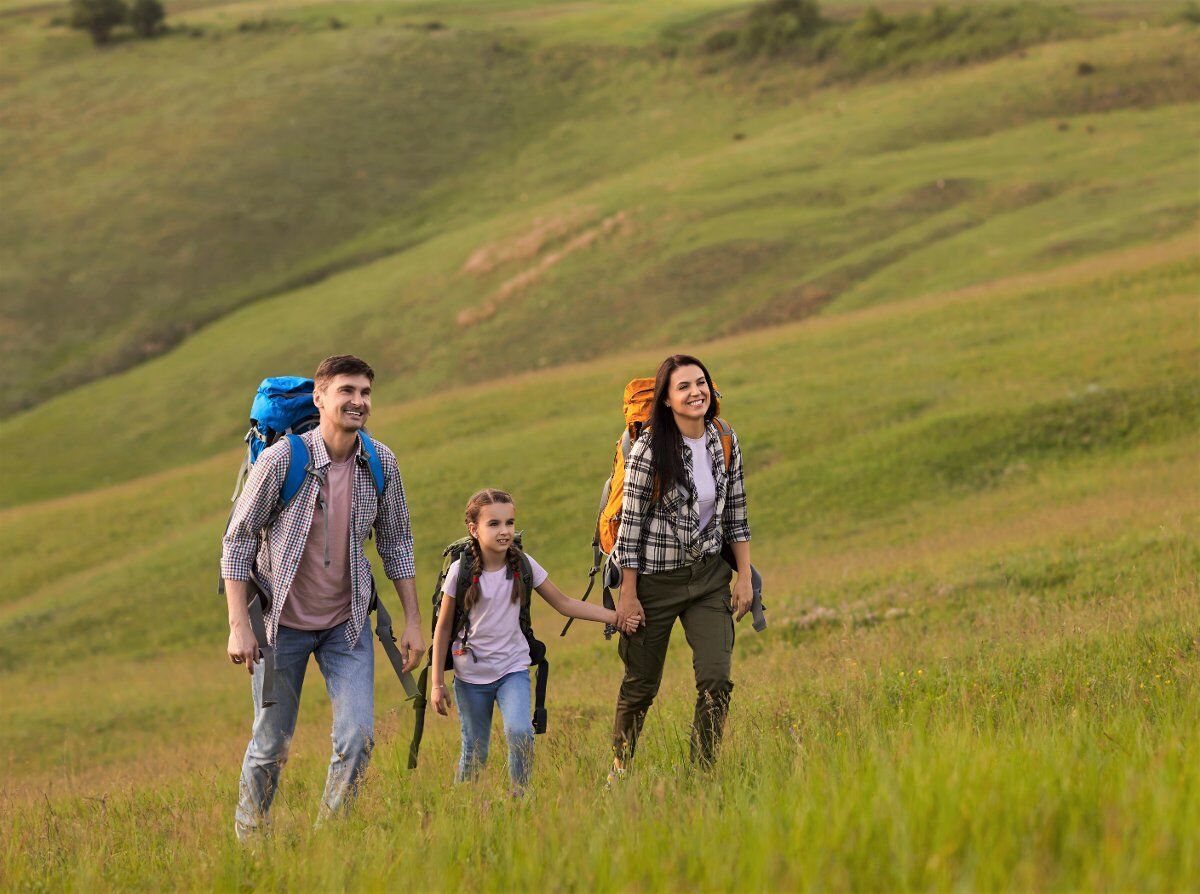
x: 475, y: 700
x: 350, y: 681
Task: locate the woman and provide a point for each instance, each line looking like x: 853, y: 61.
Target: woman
x: 684, y: 501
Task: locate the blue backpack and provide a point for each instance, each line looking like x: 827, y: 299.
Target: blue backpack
x: 283, y: 407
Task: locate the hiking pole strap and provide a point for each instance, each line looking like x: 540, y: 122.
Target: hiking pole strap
x: 609, y: 629
x: 756, y: 606
x: 539, y: 697
x: 383, y: 630
x: 586, y: 594
x: 259, y: 627
x: 419, y: 705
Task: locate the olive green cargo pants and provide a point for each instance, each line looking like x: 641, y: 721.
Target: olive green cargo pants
x: 699, y: 596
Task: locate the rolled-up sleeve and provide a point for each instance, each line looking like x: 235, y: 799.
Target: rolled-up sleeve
x: 635, y: 504
x: 393, y: 532
x: 251, y: 514
x: 735, y: 519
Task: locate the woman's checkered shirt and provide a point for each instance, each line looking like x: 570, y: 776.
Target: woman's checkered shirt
x: 663, y: 536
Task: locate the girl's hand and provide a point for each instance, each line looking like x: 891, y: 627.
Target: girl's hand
x: 628, y: 627
x: 743, y: 596
x: 440, y: 699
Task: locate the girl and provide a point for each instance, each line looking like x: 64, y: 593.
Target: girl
x: 681, y: 509
x: 494, y: 668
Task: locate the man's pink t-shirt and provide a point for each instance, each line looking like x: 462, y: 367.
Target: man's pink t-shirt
x: 496, y: 639
x: 320, y: 594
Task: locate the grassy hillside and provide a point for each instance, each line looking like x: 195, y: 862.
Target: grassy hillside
x: 953, y: 314
x: 936, y: 524
x: 157, y: 186
x: 745, y: 190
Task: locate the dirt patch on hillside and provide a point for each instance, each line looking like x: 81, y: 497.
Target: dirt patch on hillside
x: 528, y: 246
x: 545, y: 231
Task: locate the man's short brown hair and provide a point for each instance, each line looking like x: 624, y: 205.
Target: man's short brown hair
x: 342, y: 365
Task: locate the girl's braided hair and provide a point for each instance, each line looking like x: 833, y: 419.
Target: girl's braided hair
x: 487, y: 497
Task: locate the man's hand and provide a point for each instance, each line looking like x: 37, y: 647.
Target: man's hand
x: 743, y: 596
x: 412, y: 647
x: 440, y: 699
x: 243, y: 647
x: 630, y: 615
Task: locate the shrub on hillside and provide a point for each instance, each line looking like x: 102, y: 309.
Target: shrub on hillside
x: 944, y: 36
x: 940, y: 36
x: 874, y: 24
x: 146, y: 17
x: 1188, y: 14
x: 780, y: 26
x: 98, y: 17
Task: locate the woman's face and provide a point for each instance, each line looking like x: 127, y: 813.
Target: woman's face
x: 496, y: 528
x: 688, y: 393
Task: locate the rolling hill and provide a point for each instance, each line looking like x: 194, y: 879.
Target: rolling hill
x: 952, y: 310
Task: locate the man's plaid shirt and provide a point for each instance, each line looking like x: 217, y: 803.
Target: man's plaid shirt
x: 663, y: 536
x: 275, y: 557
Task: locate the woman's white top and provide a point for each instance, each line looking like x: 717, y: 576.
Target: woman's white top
x: 702, y: 478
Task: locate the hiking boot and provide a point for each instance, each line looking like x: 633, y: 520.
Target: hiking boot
x: 616, y: 773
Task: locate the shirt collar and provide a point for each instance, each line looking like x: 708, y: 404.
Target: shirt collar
x: 318, y: 451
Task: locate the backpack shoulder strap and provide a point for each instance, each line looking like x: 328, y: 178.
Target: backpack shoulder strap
x: 464, y: 579
x: 526, y: 574
x: 368, y: 446
x: 726, y: 434
x: 297, y: 469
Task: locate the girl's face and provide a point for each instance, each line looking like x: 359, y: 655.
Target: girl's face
x: 495, y: 529
x: 688, y: 393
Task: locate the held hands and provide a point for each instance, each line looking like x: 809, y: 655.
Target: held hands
x: 440, y: 699
x: 412, y: 646
x: 630, y: 614
x: 243, y: 647
x: 629, y: 626
x: 743, y: 596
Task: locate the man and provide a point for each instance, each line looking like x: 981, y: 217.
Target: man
x: 309, y: 561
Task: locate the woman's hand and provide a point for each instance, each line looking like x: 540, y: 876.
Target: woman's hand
x: 630, y: 615
x: 440, y: 699
x: 743, y: 596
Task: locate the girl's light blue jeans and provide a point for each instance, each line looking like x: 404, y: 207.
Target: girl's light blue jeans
x: 475, y: 700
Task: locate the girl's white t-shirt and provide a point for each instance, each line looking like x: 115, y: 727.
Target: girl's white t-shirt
x: 496, y: 639
x: 702, y: 477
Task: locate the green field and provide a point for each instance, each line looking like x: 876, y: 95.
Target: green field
x: 952, y: 310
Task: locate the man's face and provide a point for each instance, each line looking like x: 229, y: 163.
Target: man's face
x: 345, y: 401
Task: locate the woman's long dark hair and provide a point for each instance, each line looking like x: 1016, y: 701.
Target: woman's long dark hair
x: 666, y: 441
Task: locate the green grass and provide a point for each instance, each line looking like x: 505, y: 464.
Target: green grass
x: 1005, y: 539
x: 953, y: 318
